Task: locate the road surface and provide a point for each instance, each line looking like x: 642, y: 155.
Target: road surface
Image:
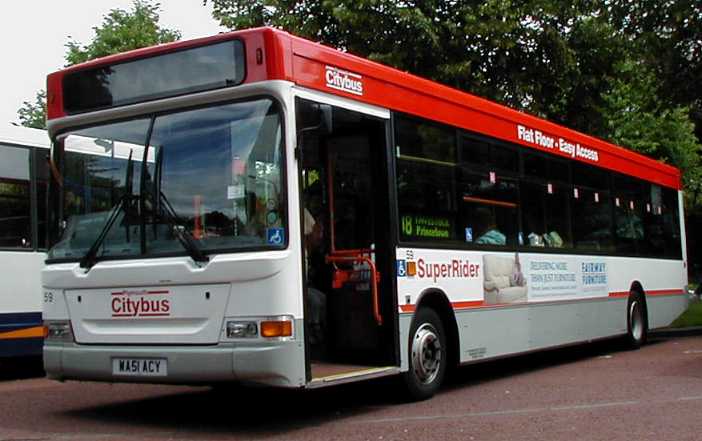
x: 593, y: 392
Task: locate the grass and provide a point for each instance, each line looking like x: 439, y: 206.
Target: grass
x: 691, y: 317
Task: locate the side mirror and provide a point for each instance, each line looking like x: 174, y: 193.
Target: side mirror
x: 314, y: 116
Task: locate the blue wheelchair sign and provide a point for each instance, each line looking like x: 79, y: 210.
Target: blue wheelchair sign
x: 401, y: 268
x: 275, y: 236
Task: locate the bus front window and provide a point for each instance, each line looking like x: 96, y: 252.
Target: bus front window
x: 220, y: 170
x: 212, y: 174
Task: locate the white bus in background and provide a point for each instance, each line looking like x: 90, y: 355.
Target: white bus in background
x: 23, y: 175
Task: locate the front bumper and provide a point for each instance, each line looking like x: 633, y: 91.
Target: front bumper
x: 275, y: 363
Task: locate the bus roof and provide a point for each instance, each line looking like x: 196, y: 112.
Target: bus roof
x: 272, y: 54
x: 26, y: 136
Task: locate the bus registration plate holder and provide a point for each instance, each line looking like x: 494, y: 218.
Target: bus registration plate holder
x: 143, y: 367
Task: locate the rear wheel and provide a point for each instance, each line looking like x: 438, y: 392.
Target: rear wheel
x: 637, y: 326
x: 427, y: 355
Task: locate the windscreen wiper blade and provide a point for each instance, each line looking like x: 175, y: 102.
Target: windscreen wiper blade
x: 90, y: 258
x: 184, y: 237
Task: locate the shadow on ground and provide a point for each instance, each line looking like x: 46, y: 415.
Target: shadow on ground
x: 246, y: 411
x: 466, y: 376
x: 259, y: 412
x: 20, y: 368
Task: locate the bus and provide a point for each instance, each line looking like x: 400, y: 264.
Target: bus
x: 287, y: 214
x: 23, y: 182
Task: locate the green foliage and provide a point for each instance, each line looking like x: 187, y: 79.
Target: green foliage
x: 546, y: 57
x: 120, y: 31
x: 666, y: 36
x: 638, y: 119
x: 33, y: 114
x: 556, y: 59
x: 691, y: 317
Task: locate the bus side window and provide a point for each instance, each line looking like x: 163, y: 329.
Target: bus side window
x: 15, y: 197
x: 629, y: 228
x: 426, y: 169
x: 592, y: 209
x: 671, y: 223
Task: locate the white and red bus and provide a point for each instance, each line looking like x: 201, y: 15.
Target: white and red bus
x: 287, y: 214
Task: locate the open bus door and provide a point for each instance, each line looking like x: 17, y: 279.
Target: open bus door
x: 350, y: 304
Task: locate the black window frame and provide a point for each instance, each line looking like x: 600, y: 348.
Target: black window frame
x: 153, y: 97
x: 521, y: 176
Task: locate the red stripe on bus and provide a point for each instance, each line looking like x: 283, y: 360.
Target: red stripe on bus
x: 465, y: 305
x: 619, y: 294
x: 654, y: 292
x: 455, y: 305
x: 481, y: 304
x: 666, y: 292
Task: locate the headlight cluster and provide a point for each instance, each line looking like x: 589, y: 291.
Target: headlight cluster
x: 264, y: 327
x: 58, y: 331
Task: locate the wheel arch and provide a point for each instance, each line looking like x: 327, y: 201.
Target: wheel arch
x: 637, y: 287
x: 438, y: 301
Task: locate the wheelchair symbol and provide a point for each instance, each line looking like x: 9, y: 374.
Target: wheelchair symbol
x: 401, y: 268
x: 275, y: 236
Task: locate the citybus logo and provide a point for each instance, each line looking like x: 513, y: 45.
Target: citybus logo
x: 141, y: 304
x: 342, y: 80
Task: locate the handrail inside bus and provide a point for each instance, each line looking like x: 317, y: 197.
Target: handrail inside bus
x: 360, y: 256
x: 427, y: 160
x: 489, y: 202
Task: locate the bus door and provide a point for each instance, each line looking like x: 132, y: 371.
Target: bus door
x: 349, y: 300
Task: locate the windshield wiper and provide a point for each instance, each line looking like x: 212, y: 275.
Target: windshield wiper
x: 180, y: 230
x: 161, y: 207
x: 90, y: 258
x: 156, y: 188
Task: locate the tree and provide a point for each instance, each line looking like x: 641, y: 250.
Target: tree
x: 639, y: 119
x: 122, y: 31
x: 557, y: 59
x: 668, y: 37
x: 34, y: 114
x: 547, y: 57
x: 119, y: 31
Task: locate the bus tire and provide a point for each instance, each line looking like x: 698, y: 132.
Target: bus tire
x: 427, y: 355
x: 636, y: 322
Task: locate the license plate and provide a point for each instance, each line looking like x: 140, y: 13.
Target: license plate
x: 148, y: 367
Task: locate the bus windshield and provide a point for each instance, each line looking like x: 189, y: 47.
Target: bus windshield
x: 213, y: 174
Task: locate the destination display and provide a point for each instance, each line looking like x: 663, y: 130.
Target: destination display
x: 427, y: 227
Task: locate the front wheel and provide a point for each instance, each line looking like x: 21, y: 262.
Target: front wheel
x: 427, y: 355
x: 637, y: 328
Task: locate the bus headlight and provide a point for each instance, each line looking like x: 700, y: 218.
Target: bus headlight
x: 242, y: 329
x: 58, y: 331
x: 279, y: 327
